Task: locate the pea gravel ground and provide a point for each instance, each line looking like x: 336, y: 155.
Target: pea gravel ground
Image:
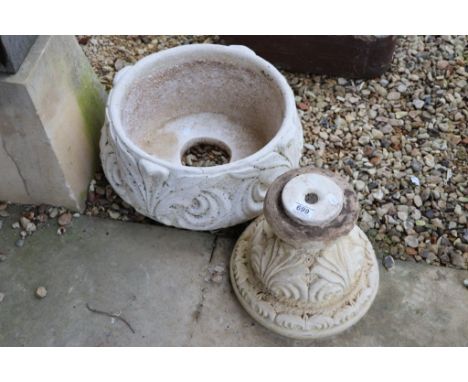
x: 401, y: 139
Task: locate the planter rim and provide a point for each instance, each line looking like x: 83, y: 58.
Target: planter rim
x: 131, y: 72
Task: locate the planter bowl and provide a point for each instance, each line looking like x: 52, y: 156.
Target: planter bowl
x: 173, y: 100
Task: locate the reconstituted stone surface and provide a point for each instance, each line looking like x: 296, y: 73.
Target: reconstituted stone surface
x: 51, y: 113
x: 172, y: 287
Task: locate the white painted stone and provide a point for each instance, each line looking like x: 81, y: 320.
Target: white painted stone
x: 173, y: 99
x: 309, y: 289
x: 51, y: 112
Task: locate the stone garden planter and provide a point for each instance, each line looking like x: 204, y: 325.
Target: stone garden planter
x: 172, y: 101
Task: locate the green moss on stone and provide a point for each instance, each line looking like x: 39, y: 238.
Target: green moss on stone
x: 92, y: 107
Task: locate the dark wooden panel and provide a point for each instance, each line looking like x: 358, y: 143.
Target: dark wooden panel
x: 344, y: 56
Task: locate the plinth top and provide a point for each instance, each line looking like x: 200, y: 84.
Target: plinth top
x: 312, y: 199
x: 310, y: 205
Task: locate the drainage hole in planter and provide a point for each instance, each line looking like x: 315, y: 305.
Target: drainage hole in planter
x: 311, y: 198
x: 204, y: 154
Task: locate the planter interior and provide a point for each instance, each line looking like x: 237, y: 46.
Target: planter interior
x: 201, y: 97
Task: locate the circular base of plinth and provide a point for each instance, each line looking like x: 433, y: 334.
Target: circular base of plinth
x: 301, y: 320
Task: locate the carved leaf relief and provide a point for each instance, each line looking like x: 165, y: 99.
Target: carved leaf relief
x: 277, y: 266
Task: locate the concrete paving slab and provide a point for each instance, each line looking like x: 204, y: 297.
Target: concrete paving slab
x: 151, y: 274
x: 417, y: 305
x: 160, y: 280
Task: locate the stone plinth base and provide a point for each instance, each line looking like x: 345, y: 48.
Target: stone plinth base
x: 51, y: 113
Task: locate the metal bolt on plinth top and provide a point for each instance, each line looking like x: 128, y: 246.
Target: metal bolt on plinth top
x: 304, y: 269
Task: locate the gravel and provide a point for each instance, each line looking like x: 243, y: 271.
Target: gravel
x: 109, y: 54
x: 400, y: 139
x: 205, y: 155
x: 419, y: 106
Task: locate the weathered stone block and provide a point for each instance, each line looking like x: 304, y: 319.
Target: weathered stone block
x: 51, y: 113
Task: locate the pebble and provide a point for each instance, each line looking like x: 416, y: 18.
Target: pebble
x: 30, y: 228
x: 431, y: 257
x: 393, y: 96
x: 360, y: 185
x: 402, y: 215
x: 342, y: 81
x: 465, y: 283
x: 378, y: 194
x: 19, y: 243
x: 401, y: 114
x: 2, y: 296
x: 401, y: 88
x: 381, y: 90
x: 377, y: 134
x: 53, y: 212
x: 442, y: 64
x: 436, y: 222
x: 416, y: 165
x: 1, y: 224
x: 418, y: 104
x: 64, y: 219
x: 24, y: 222
x: 411, y: 241
x: 364, y: 140
x: 120, y: 64
x: 429, y: 160
x: 415, y: 180
x: 113, y: 214
x: 4, y: 214
x: 417, y: 201
x: 41, y: 292
x: 388, y: 262
x: 2, y: 257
